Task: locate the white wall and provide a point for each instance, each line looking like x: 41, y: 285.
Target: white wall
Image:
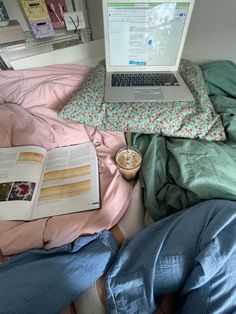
x: 212, y: 31
x: 211, y: 35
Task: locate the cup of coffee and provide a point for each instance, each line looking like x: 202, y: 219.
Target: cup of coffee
x: 128, y: 161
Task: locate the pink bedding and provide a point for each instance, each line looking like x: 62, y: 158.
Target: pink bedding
x: 29, y: 102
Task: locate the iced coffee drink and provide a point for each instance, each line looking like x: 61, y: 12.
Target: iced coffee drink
x: 128, y: 162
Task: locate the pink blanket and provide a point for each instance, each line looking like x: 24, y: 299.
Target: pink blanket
x: 29, y: 102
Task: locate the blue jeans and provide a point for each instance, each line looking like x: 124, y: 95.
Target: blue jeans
x: 193, y: 252
x: 47, y: 281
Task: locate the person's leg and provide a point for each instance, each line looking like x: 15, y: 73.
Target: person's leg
x: 184, y: 252
x: 217, y: 296
x: 41, y: 281
x: 93, y: 299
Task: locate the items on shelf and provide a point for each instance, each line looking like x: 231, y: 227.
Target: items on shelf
x: 38, y: 18
x: 16, y: 43
x: 74, y: 20
x: 56, y: 10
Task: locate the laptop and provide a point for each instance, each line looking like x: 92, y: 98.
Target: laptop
x: 144, y: 41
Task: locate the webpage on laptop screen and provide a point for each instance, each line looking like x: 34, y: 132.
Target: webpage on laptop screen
x: 145, y: 34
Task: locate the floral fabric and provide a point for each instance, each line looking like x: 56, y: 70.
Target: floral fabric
x: 172, y: 119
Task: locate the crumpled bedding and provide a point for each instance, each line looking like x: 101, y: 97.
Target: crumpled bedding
x: 178, y: 173
x: 29, y: 105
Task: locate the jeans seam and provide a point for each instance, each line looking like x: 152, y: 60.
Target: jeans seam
x: 208, y: 298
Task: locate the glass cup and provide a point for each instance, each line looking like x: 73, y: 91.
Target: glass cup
x: 128, y: 161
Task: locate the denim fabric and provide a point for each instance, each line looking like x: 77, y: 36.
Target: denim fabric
x: 45, y: 282
x: 193, y: 251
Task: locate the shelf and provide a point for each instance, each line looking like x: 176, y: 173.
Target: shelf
x: 32, y: 46
x: 88, y: 54
x: 31, y: 41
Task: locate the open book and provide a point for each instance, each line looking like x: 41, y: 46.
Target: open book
x: 36, y: 183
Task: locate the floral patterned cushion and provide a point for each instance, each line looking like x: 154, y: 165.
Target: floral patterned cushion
x: 175, y: 119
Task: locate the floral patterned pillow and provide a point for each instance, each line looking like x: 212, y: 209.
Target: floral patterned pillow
x: 174, y: 119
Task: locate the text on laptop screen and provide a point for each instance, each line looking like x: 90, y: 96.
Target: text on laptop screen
x: 145, y: 34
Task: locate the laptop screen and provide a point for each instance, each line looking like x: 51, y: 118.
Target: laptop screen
x: 145, y: 33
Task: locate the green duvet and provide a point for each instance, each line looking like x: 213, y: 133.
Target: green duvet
x: 177, y: 173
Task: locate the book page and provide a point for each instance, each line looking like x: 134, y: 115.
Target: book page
x: 70, y: 182
x: 20, y: 173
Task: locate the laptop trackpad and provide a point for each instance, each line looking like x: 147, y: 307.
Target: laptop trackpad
x: 149, y: 94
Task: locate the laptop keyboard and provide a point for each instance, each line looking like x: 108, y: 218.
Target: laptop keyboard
x: 144, y: 79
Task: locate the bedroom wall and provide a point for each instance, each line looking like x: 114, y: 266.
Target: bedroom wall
x: 212, y: 31
x: 211, y: 35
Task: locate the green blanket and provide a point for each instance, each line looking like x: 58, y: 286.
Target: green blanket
x: 177, y: 173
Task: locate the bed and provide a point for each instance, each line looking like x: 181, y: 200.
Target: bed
x: 189, y: 153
